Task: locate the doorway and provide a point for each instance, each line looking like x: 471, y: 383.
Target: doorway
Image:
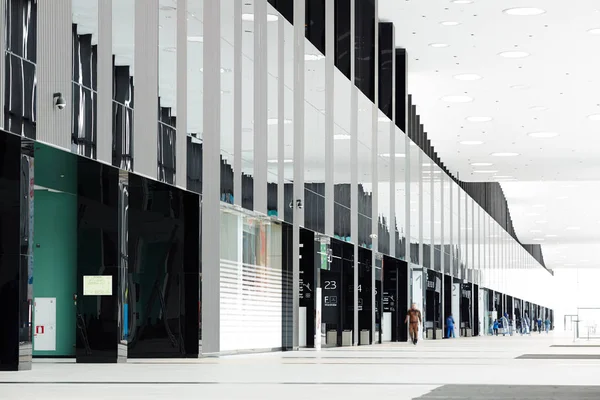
x: 55, y: 252
x: 395, y: 299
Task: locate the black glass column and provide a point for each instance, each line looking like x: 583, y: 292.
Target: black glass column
x: 466, y: 310
x: 378, y: 297
x: 15, y: 329
x: 448, y: 286
x: 164, y: 265
x: 476, y: 322
x: 331, y: 285
x: 364, y: 44
x: 433, y: 306
x: 342, y: 36
x: 401, y: 89
x: 386, y: 70
x: 365, y: 298
x: 287, y: 288
x: 99, y: 322
x: 307, y: 287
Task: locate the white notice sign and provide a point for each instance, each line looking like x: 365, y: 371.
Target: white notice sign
x: 97, y: 285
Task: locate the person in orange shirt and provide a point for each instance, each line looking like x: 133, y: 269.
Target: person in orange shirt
x: 413, y: 317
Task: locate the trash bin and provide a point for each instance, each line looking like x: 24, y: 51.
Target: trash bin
x: 331, y: 339
x: 347, y: 338
x: 365, y: 337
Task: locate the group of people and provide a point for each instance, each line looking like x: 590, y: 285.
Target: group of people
x: 414, y: 320
x: 527, y: 325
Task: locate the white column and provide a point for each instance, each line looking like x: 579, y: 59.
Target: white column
x: 281, y: 71
x: 260, y: 106
x: 104, y: 67
x: 299, y: 90
x: 182, y: 95
x: 354, y: 161
x: 237, y: 103
x: 145, y: 79
x: 329, y: 115
x: 375, y: 174
x: 211, y: 176
x: 54, y: 71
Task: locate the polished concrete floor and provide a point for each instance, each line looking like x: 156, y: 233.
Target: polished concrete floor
x: 531, y: 367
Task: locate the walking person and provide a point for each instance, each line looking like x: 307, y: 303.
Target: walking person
x: 450, y: 327
x: 413, y: 317
x: 539, y: 325
x: 548, y: 323
x: 495, y: 327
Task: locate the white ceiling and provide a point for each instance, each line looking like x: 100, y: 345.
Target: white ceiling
x: 475, y: 43
x: 560, y: 74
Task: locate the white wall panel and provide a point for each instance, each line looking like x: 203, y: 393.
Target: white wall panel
x: 54, y: 71
x: 251, y: 307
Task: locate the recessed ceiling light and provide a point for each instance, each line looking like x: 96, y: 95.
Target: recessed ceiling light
x: 250, y: 17
x: 313, y: 57
x: 514, y: 54
x: 538, y: 206
x: 505, y: 154
x: 532, y: 215
x: 341, y: 136
x: 439, y: 45
x: 541, y: 222
x: 223, y: 70
x: 562, y: 198
x: 450, y: 23
x: 398, y: 155
x: 538, y: 108
x: 457, y: 99
x: 542, y: 135
x: 484, y: 172
x: 535, y: 231
x: 539, y: 239
x: 519, y: 87
x: 594, y: 117
x: 286, y: 161
x: 196, y: 39
x: 524, y: 11
x: 595, y: 31
x: 275, y: 121
x: 503, y: 177
x: 573, y: 228
x: 467, y: 77
x: 471, y: 142
x: 479, y: 119
x: 462, y: 1
x: 551, y: 236
x: 481, y: 164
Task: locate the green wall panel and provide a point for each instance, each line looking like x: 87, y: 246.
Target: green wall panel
x: 55, y: 241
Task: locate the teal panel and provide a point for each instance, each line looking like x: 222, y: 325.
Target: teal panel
x: 55, y: 169
x: 55, y: 261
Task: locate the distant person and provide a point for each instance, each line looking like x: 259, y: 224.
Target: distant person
x: 413, y: 317
x: 495, y: 327
x: 539, y: 325
x: 450, y: 327
x: 505, y: 327
x: 548, y: 323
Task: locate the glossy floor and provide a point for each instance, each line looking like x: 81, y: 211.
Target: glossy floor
x: 499, y: 366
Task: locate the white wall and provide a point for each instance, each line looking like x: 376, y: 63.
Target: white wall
x: 575, y: 288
